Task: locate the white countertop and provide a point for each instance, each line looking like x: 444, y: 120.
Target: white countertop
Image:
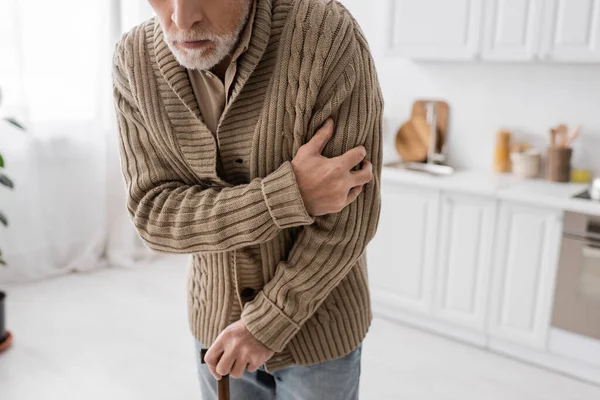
x: 501, y: 186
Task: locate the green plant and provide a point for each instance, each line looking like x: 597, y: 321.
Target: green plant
x: 5, y: 181
x: 11, y: 121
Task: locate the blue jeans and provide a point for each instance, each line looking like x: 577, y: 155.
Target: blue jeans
x: 331, y: 380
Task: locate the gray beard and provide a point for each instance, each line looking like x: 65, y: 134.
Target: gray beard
x: 207, y: 59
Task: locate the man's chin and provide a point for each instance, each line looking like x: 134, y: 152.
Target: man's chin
x: 202, y: 59
x: 195, y: 59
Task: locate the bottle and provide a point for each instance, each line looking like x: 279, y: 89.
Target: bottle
x: 502, y: 152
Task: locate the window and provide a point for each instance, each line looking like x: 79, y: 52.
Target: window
x: 57, y: 56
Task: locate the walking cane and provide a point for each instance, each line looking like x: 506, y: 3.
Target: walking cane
x: 223, y: 384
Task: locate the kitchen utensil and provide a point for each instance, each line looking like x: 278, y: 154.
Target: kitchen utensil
x: 558, y: 167
x: 526, y: 164
x: 502, y: 152
x: 223, y: 384
x: 562, y: 130
x: 553, y: 134
x: 595, y: 190
x: 574, y: 134
x: 412, y: 140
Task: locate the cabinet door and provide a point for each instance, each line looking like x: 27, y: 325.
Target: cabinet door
x: 528, y: 241
x: 435, y: 29
x: 512, y: 30
x: 464, y: 259
x: 572, y: 31
x: 401, y: 255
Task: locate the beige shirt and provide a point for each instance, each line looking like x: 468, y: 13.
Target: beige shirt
x: 211, y: 93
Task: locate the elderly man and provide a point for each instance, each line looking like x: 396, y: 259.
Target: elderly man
x: 250, y: 138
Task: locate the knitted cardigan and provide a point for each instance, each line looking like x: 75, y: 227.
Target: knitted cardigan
x: 307, y: 60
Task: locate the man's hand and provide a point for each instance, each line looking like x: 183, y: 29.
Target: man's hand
x: 327, y: 185
x: 236, y: 350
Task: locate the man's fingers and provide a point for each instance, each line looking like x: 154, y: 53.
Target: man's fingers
x: 252, y: 367
x: 238, y: 369
x: 320, y: 139
x: 212, y: 357
x: 352, y: 157
x: 363, y: 175
x: 353, y: 194
x: 225, y: 363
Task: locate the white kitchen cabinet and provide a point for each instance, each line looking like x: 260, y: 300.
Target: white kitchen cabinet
x: 464, y: 259
x: 571, y: 31
x: 511, y: 30
x: 401, y: 255
x: 435, y: 29
x: 495, y: 30
x: 526, y: 253
x: 477, y: 263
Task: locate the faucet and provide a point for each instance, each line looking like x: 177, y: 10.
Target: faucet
x: 433, y: 157
x: 435, y: 161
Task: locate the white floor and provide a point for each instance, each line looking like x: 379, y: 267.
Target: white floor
x: 122, y: 335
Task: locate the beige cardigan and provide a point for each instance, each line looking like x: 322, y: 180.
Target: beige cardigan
x: 307, y: 60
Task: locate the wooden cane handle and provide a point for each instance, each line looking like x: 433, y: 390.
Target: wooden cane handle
x: 223, y: 384
x: 223, y: 389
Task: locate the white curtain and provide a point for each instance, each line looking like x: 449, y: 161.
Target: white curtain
x: 67, y: 212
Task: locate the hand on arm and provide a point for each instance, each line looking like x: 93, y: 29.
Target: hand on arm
x: 172, y: 216
x: 176, y: 216
x: 329, y: 184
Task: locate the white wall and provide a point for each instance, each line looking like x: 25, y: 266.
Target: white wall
x: 485, y: 97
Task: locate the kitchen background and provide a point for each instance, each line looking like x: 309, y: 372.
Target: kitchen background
x: 489, y: 91
x: 481, y: 254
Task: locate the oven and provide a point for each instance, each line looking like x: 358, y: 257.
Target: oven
x: 577, y: 292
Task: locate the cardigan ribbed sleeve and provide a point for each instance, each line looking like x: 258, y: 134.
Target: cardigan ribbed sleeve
x: 327, y: 250
x: 175, y: 217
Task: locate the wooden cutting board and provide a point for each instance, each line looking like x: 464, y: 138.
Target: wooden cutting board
x: 442, y: 112
x: 412, y: 139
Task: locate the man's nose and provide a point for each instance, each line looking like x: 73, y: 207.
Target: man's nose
x: 186, y: 13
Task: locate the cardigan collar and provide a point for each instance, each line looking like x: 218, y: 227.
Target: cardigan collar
x: 180, y: 102
x: 177, y: 77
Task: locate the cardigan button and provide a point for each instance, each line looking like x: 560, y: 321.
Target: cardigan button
x: 248, y: 294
